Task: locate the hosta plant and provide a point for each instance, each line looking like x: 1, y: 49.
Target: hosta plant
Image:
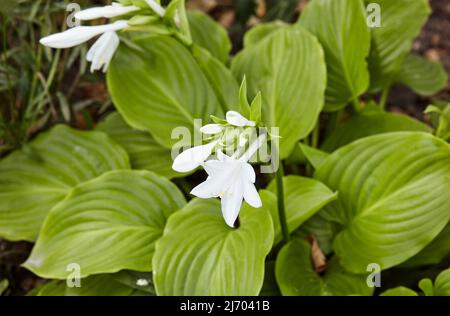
x: 293, y: 178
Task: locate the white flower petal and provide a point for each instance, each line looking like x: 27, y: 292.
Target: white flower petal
x: 101, y: 53
x: 253, y: 148
x: 80, y: 34
x: 223, y: 157
x: 242, y: 140
x: 248, y: 173
x: 211, y: 129
x: 193, y: 157
x: 251, y: 195
x: 236, y: 119
x: 210, y: 188
x: 213, y: 167
x: 231, y: 203
x: 108, y: 11
x: 156, y: 7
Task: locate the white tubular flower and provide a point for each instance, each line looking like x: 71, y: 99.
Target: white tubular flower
x: 156, y: 7
x: 109, y: 11
x: 80, y: 34
x: 211, y: 129
x: 101, y: 53
x: 236, y: 119
x: 233, y: 181
x: 193, y: 157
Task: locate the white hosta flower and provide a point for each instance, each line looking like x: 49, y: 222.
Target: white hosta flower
x: 80, y: 34
x: 101, y: 53
x: 233, y: 181
x: 193, y: 157
x: 211, y: 129
x: 109, y: 11
x: 236, y: 119
x: 156, y: 7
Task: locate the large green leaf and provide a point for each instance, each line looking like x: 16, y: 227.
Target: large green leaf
x: 345, y: 38
x: 442, y: 284
x: 106, y: 225
x: 434, y: 252
x: 303, y: 198
x: 144, y: 151
x: 313, y: 155
x: 209, y: 34
x: 158, y: 86
x: 219, y: 76
x: 422, y: 76
x: 371, y: 122
x: 288, y: 67
x: 96, y: 285
x: 35, y: 178
x: 393, y: 197
x: 140, y: 281
x: 259, y: 31
x: 200, y: 255
x: 401, y: 21
x: 296, y: 275
x: 399, y: 291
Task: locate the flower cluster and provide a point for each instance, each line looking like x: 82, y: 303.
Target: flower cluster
x: 231, y: 178
x: 101, y: 53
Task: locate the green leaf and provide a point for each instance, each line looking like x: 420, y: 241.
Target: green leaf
x: 219, y: 76
x: 440, y: 118
x: 4, y: 284
x: 106, y: 225
x: 96, y: 285
x: 257, y: 33
x: 399, y: 291
x: 393, y: 197
x: 200, y: 255
x: 255, y: 109
x: 368, y: 123
x: 36, y: 178
x: 434, y: 252
x: 303, y: 197
x: 210, y: 35
x: 144, y: 151
x: 345, y: 38
x: 296, y: 276
x: 423, y: 76
x: 99, y: 285
x: 313, y: 155
x: 288, y: 68
x: 51, y: 288
x: 441, y: 287
x: 442, y: 284
x: 159, y: 87
x: 243, y: 98
x: 426, y: 285
x: 401, y: 22
x: 133, y: 278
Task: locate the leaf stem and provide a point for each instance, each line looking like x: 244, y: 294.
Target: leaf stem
x: 315, y: 135
x: 384, y: 97
x: 281, y: 206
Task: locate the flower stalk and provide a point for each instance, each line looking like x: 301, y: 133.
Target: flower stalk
x: 281, y: 205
